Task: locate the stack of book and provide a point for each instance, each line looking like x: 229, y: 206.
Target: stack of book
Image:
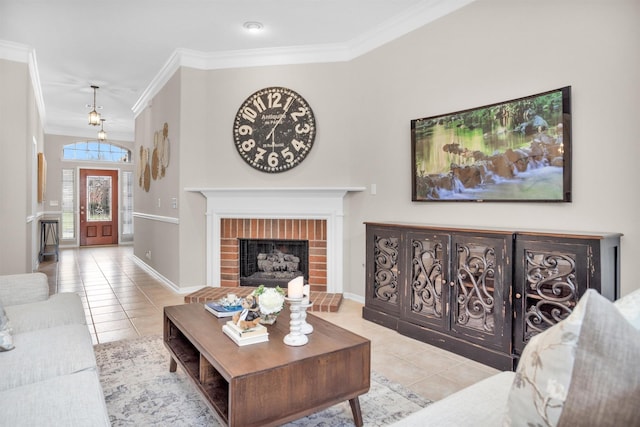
x: 241, y: 336
x: 220, y: 310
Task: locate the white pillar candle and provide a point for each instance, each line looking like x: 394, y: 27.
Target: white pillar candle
x: 295, y: 286
x: 306, y: 291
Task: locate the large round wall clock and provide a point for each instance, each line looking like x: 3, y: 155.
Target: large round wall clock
x: 274, y: 129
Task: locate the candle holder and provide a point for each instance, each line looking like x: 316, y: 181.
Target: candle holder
x: 305, y: 327
x: 295, y: 337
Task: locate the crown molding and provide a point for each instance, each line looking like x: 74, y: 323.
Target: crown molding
x: 18, y: 52
x: 418, y: 16
x: 238, y: 59
x: 423, y: 13
x: 37, y: 87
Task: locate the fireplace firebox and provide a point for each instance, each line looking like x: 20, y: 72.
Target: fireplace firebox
x: 273, y: 262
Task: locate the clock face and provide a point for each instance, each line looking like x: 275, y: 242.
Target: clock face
x: 274, y: 129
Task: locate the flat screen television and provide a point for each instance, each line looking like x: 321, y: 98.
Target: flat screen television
x: 512, y: 151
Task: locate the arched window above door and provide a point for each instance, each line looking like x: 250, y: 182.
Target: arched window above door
x: 96, y: 151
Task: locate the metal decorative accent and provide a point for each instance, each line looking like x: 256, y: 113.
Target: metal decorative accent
x: 385, y: 269
x: 427, y: 280
x: 153, y: 163
x: 475, y: 280
x: 551, y: 290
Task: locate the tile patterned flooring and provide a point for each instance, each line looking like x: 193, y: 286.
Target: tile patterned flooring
x: 122, y: 300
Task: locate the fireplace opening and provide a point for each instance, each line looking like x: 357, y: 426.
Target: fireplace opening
x: 273, y: 262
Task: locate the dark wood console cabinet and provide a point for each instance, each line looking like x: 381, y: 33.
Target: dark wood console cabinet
x: 482, y: 293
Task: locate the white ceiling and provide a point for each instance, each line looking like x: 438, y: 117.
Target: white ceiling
x: 121, y: 45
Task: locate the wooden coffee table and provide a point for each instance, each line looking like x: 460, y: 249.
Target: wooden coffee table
x: 270, y: 383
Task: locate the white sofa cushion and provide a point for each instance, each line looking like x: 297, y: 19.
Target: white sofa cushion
x: 66, y: 401
x: 23, y: 288
x: 47, y: 353
x: 482, y: 404
x: 582, y: 371
x: 60, y: 309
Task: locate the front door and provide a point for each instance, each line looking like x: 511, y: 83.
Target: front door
x: 98, y: 207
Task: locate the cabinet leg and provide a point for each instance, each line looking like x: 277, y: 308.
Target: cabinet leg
x: 357, y: 413
x: 173, y: 365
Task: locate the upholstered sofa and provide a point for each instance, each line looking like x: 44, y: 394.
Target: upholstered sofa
x: 584, y: 371
x: 48, y: 372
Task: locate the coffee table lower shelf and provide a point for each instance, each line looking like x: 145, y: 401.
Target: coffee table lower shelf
x: 211, y: 384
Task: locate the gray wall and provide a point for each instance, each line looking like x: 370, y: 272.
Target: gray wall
x: 155, y: 220
x: 492, y: 51
x: 489, y: 51
x: 21, y: 138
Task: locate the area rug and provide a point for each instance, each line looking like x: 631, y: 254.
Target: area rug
x: 140, y: 390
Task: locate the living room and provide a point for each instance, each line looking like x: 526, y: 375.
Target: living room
x: 485, y: 52
x: 385, y: 89
x: 367, y: 140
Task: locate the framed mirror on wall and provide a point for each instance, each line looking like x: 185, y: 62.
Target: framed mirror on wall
x: 42, y: 177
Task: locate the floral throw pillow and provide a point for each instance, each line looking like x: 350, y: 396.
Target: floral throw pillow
x: 4, y: 321
x: 582, y: 371
x: 6, y: 340
x: 629, y: 306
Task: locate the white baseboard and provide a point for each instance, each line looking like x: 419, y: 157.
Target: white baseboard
x: 353, y: 297
x: 166, y: 282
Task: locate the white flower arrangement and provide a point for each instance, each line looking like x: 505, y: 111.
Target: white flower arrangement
x: 270, y: 300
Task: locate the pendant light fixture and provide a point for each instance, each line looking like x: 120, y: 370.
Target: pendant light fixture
x: 102, y: 135
x: 94, y: 116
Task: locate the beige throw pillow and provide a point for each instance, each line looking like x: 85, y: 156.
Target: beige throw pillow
x: 582, y: 371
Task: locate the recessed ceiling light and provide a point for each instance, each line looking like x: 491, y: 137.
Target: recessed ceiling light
x: 253, y: 26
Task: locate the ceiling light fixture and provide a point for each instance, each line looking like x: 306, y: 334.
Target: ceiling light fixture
x: 102, y: 135
x: 253, y: 26
x: 94, y: 116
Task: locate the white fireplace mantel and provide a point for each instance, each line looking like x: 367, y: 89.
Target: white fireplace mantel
x: 283, y: 203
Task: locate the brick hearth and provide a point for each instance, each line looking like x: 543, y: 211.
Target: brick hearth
x: 322, y: 301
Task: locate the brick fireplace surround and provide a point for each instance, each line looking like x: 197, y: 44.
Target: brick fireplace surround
x: 287, y: 213
x: 232, y: 229
x: 313, y: 230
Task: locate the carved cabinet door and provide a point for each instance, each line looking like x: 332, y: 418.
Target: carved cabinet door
x: 550, y: 278
x: 384, y: 275
x: 426, y: 293
x: 480, y: 289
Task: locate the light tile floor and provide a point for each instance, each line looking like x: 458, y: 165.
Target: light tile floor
x: 122, y: 300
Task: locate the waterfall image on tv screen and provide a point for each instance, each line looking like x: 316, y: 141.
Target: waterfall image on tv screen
x: 518, y: 150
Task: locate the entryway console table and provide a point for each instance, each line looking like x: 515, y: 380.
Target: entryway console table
x: 482, y: 293
x: 49, y: 238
